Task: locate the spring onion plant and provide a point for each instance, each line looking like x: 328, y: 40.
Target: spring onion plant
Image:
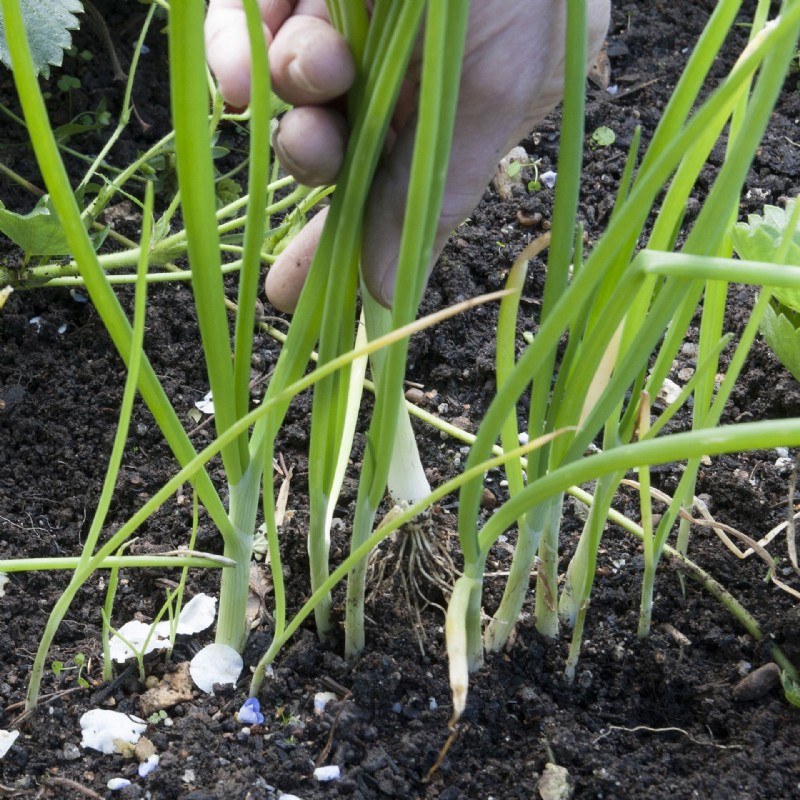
x: 624, y: 316
x: 326, y: 313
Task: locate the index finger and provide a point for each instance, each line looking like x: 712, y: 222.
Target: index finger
x: 228, y: 45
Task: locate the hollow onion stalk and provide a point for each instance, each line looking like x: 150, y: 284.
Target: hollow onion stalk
x: 394, y: 29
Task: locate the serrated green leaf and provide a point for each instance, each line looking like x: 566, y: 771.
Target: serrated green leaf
x: 779, y: 326
x: 791, y: 689
x: 39, y: 232
x: 758, y: 239
x: 48, y: 24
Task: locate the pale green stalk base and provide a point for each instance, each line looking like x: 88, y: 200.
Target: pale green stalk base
x: 646, y: 605
x: 575, y: 644
x: 354, y: 638
x: 505, y: 618
x: 318, y: 551
x: 546, y: 607
x: 244, y: 498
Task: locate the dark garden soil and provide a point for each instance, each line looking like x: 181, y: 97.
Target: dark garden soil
x: 652, y: 719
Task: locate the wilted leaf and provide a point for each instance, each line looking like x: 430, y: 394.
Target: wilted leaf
x: 48, y: 24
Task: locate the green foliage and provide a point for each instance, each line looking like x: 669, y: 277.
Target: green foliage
x: 791, y: 689
x: 769, y: 238
x: 38, y: 233
x: 66, y: 83
x: 228, y: 191
x: 781, y: 330
x: 762, y: 237
x: 79, y: 662
x: 603, y: 137
x: 48, y: 24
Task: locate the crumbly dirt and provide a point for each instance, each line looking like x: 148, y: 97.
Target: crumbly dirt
x: 651, y: 719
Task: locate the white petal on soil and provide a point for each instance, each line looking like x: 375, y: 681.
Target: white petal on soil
x: 216, y: 663
x: 3, y: 581
x: 136, y: 633
x: 331, y: 773
x: 206, y: 405
x: 197, y: 615
x: 115, y: 784
x: 146, y: 767
x: 7, y: 738
x: 100, y: 727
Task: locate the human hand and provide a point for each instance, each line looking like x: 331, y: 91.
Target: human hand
x: 512, y: 77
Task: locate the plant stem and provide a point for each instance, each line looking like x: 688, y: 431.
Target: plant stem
x: 244, y: 498
x: 546, y: 605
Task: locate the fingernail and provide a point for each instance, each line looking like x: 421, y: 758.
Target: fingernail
x: 300, y: 78
x: 287, y: 162
x: 386, y: 290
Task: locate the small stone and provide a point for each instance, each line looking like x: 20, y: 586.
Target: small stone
x: 71, y: 751
x: 489, y: 500
x: 503, y: 182
x: 176, y: 687
x: 416, y: 396
x: 462, y: 422
x: 554, y: 783
x: 757, y: 683
x: 529, y: 220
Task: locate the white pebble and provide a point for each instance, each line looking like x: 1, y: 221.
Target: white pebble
x: 324, y: 774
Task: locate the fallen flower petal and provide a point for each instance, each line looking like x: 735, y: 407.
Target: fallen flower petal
x: 7, y: 739
x: 206, y: 405
x: 136, y: 633
x: 216, y: 663
x: 115, y: 784
x: 100, y: 727
x: 197, y: 615
x: 321, y: 699
x: 548, y: 179
x: 250, y: 712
